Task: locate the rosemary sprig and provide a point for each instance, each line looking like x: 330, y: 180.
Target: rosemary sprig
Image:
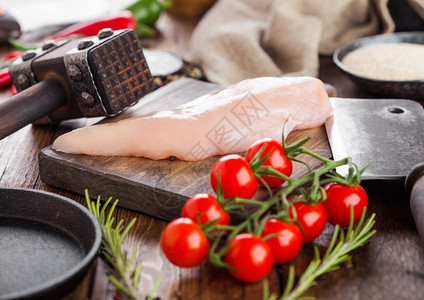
x: 123, y: 274
x: 337, y: 253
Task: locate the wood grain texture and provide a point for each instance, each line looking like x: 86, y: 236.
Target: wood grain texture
x: 390, y: 267
x: 157, y: 188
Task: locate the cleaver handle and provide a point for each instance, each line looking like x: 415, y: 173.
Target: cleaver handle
x: 30, y: 105
x: 414, y: 184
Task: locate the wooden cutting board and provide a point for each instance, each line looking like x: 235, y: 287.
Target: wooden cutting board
x: 158, y: 188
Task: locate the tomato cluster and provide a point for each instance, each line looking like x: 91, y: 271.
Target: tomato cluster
x: 274, y: 239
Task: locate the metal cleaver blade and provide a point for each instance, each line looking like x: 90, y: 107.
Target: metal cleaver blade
x: 389, y: 133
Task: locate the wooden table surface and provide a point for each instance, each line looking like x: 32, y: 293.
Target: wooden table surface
x: 391, y: 266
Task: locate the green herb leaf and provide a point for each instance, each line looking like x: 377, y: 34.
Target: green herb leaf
x: 338, y: 251
x: 123, y: 273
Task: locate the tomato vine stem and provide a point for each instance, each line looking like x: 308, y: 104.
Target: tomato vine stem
x: 253, y: 222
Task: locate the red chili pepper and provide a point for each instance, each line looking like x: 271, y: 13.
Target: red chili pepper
x: 5, y: 78
x: 13, y: 90
x: 13, y: 55
x: 121, y: 20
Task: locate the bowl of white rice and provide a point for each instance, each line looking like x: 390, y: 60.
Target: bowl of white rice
x: 387, y: 65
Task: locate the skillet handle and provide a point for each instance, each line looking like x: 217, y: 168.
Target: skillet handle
x: 414, y: 185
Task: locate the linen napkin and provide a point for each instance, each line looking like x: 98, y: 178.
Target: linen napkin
x: 239, y: 39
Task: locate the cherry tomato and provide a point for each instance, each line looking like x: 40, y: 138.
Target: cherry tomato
x: 251, y: 257
x: 277, y: 159
x: 236, y: 177
x: 313, y: 219
x: 287, y: 245
x: 338, y: 202
x: 184, y: 243
x: 205, y: 208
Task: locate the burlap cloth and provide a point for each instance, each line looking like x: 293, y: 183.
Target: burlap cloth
x: 239, y: 39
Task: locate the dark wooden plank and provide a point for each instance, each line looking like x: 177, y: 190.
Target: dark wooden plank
x: 158, y: 188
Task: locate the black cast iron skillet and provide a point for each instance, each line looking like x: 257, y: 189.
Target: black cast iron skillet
x: 47, y: 244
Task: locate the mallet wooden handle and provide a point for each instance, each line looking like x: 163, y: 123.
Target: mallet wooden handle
x: 30, y: 105
x: 415, y: 186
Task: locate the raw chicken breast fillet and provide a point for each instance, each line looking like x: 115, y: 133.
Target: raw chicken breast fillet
x: 226, y: 121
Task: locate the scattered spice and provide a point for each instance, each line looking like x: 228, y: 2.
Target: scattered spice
x: 189, y: 70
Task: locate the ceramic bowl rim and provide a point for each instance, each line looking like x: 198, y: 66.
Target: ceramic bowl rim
x: 397, y: 37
